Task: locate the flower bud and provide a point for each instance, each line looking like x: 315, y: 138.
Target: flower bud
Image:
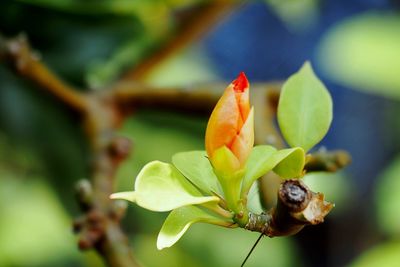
x: 231, y: 125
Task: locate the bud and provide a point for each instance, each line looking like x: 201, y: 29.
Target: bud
x: 230, y: 129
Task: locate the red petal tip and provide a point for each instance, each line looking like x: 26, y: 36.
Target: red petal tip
x: 241, y: 83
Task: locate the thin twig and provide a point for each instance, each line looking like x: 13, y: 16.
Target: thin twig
x: 99, y: 227
x: 252, y: 248
x: 200, y: 21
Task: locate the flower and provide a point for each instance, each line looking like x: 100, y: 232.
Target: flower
x: 230, y: 130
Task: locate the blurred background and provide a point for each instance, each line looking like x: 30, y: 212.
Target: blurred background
x: 354, y: 46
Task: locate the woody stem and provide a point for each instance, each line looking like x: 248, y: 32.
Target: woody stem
x: 297, y: 207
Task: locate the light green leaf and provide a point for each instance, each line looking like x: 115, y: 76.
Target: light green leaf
x: 290, y: 162
x: 224, y: 162
x: 384, y: 254
x: 161, y: 187
x: 305, y: 109
x: 179, y: 220
x: 196, y: 167
x: 362, y: 52
x: 387, y: 199
x: 253, y: 199
x: 258, y: 164
x: 287, y: 163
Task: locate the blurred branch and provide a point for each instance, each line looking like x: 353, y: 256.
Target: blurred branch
x: 99, y: 227
x: 27, y: 63
x: 103, y: 112
x: 327, y: 161
x: 193, y: 25
x: 196, y: 98
x: 199, y: 98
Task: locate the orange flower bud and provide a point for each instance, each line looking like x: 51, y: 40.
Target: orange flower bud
x: 231, y: 123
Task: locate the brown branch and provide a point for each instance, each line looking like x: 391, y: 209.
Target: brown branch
x: 327, y: 161
x: 193, y: 27
x: 27, y: 63
x: 103, y: 112
x: 99, y: 227
x: 297, y: 207
x: 199, y: 98
x: 195, y: 98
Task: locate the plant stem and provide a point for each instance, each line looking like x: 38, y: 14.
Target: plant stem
x: 297, y: 206
x: 218, y: 210
x: 195, y: 25
x: 103, y: 112
x: 231, y: 185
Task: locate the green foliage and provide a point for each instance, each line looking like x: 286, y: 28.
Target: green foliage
x: 225, y: 164
x: 196, y: 167
x: 362, y: 52
x: 290, y: 162
x: 161, y: 187
x: 387, y: 199
x: 258, y: 164
x: 173, y: 132
x: 384, y: 255
x: 287, y: 163
x: 179, y: 220
x: 253, y: 199
x: 305, y: 109
x: 96, y: 27
x: 222, y: 188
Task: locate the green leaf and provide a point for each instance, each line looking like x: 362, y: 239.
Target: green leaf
x: 387, y: 199
x: 224, y: 162
x: 305, y: 109
x: 253, y: 199
x: 385, y: 254
x: 179, y: 220
x: 287, y: 163
x: 290, y: 162
x: 196, y: 167
x: 362, y: 52
x: 258, y: 164
x: 161, y: 187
